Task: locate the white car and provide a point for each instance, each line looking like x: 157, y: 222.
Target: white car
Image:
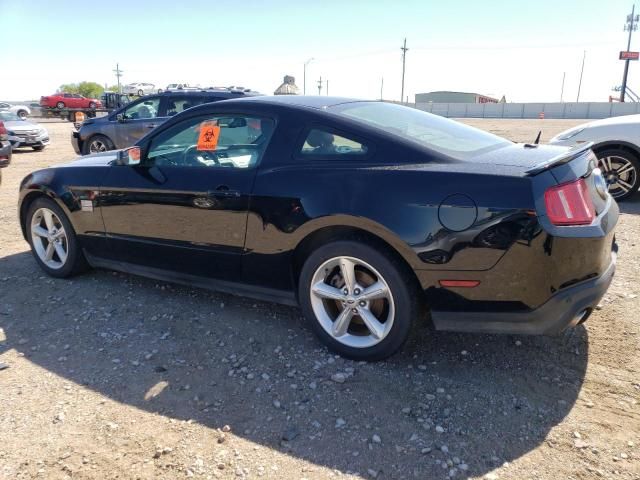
x: 21, y: 110
x: 139, y: 89
x: 617, y: 146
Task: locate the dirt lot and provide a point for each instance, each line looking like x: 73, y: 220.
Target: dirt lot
x: 114, y: 376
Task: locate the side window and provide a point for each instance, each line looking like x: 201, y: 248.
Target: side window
x: 236, y: 141
x: 324, y: 143
x: 142, y: 110
x: 67, y: 95
x: 181, y: 103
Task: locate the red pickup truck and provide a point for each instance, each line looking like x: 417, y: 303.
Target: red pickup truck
x: 69, y: 100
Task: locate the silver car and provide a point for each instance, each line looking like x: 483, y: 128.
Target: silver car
x: 617, y: 146
x: 23, y: 133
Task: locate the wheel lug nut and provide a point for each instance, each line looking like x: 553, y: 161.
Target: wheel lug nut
x: 345, y: 291
x: 357, y: 291
x: 363, y: 303
x: 354, y: 310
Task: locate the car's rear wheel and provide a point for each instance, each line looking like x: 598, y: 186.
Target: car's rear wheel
x: 97, y: 144
x: 358, y: 300
x: 22, y: 114
x: 53, y: 240
x: 140, y: 93
x: 92, y: 104
x: 621, y: 170
x: 60, y: 105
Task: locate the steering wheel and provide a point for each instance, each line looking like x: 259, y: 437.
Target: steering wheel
x: 189, y: 159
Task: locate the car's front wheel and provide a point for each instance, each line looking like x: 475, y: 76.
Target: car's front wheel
x: 92, y: 104
x: 359, y: 300
x: 60, y: 105
x: 140, y: 93
x: 53, y: 240
x: 97, y: 144
x: 621, y: 170
x: 22, y: 114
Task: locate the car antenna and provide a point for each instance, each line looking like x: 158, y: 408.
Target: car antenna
x: 537, y: 141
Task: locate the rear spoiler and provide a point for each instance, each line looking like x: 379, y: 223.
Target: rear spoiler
x: 560, y: 159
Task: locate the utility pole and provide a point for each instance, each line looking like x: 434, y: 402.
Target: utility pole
x: 320, y: 85
x: 564, y: 74
x: 381, y: 87
x: 404, y: 58
x: 118, y: 73
x: 304, y: 76
x: 327, y: 87
x: 584, y: 55
x: 631, y: 26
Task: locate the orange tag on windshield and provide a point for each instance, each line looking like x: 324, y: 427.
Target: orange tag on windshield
x: 208, y: 138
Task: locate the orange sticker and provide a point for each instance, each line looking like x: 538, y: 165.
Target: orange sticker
x: 209, y: 134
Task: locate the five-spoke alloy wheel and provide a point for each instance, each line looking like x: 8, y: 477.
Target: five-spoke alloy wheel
x: 49, y: 238
x: 53, y: 241
x: 359, y: 299
x: 621, y: 170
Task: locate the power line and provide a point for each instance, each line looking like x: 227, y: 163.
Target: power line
x: 631, y: 26
x: 404, y: 58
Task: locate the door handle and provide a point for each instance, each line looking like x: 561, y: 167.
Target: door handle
x: 153, y: 125
x: 224, y: 192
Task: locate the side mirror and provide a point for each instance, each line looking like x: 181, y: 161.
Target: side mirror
x: 129, y: 156
x: 121, y: 118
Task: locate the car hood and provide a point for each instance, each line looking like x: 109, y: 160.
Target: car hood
x: 102, y: 159
x: 21, y: 126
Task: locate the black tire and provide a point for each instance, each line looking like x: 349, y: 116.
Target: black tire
x: 92, y: 105
x: 140, y: 93
x: 22, y: 114
x: 403, y: 288
x: 76, y: 262
x: 159, y: 90
x: 60, y: 105
x: 618, y: 193
x: 39, y: 148
x: 95, y: 140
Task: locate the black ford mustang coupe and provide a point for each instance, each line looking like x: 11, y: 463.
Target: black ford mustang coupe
x: 366, y: 214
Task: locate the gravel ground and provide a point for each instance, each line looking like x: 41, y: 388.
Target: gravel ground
x: 114, y: 376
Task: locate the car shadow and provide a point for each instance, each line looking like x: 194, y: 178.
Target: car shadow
x: 475, y: 401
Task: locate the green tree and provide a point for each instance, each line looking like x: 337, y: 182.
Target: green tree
x: 86, y: 89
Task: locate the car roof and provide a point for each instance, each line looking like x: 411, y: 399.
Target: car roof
x: 211, y: 91
x: 305, y: 101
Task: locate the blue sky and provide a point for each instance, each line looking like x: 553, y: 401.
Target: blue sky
x: 519, y: 48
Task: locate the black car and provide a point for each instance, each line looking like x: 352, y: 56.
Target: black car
x: 125, y: 126
x: 366, y: 214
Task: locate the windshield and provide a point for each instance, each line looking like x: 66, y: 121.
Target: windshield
x: 440, y: 134
x: 9, y: 117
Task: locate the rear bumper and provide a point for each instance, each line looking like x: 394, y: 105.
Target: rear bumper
x: 563, y: 310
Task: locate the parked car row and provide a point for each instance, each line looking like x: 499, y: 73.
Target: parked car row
x: 142, y: 88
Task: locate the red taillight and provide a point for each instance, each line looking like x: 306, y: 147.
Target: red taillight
x: 569, y: 204
x: 3, y: 129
